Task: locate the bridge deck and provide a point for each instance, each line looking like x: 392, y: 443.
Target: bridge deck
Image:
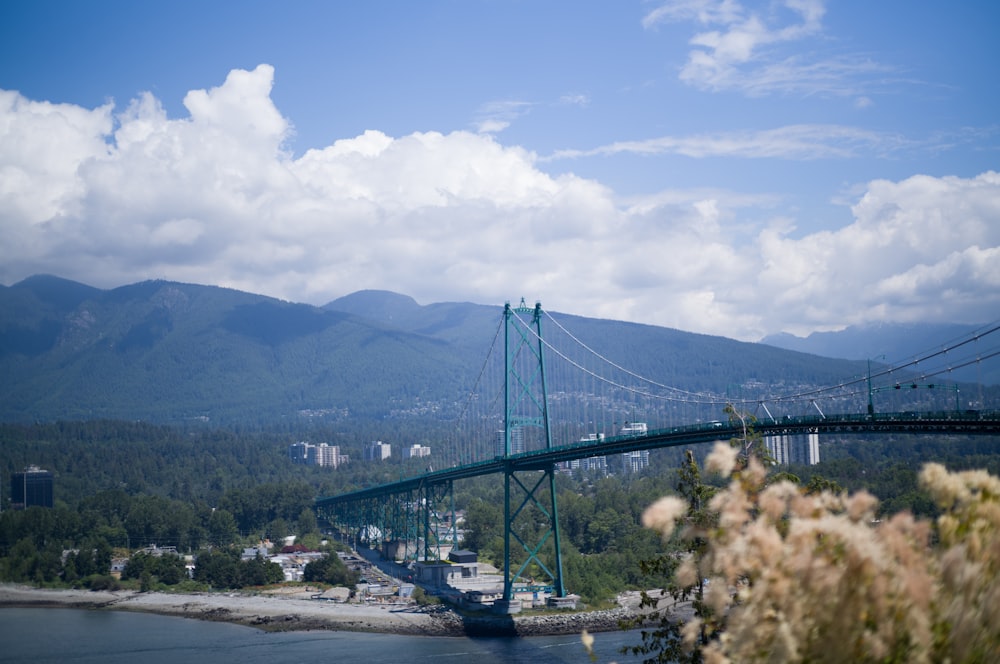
x: 955, y: 422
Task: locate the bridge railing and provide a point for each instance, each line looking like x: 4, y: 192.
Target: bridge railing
x: 967, y: 421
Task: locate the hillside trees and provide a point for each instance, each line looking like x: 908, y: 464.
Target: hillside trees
x: 268, y: 508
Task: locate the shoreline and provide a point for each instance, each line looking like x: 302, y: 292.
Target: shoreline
x: 296, y: 612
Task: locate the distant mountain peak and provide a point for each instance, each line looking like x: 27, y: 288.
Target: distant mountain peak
x: 378, y: 305
x: 63, y: 293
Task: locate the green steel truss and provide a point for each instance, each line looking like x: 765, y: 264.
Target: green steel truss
x: 533, y: 522
x: 410, y: 518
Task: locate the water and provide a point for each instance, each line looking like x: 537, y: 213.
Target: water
x: 109, y: 637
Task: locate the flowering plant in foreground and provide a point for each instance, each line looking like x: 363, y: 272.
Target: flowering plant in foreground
x: 793, y: 577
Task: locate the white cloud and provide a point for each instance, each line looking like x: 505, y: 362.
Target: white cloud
x: 921, y: 248
x: 214, y: 198
x: 788, y: 142
x: 496, y: 116
x: 41, y: 147
x: 704, y: 11
x: 575, y: 99
x: 747, y: 50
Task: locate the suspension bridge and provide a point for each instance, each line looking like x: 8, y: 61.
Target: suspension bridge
x: 601, y: 414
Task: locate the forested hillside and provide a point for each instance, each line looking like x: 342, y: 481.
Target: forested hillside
x: 168, y: 352
x: 180, y: 353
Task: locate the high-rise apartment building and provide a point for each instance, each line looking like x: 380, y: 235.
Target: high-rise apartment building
x: 328, y: 455
x: 598, y: 463
x: 299, y: 452
x: 378, y: 451
x: 32, y: 487
x: 633, y: 462
x: 800, y: 449
x: 516, y: 441
x: 317, y: 455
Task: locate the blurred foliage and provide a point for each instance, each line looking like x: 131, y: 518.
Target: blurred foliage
x: 780, y: 573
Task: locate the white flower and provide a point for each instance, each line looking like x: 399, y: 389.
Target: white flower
x: 663, y: 514
x: 722, y: 460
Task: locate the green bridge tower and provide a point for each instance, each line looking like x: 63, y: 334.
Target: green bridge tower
x: 531, y: 519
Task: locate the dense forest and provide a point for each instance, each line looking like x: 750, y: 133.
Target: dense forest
x: 121, y: 486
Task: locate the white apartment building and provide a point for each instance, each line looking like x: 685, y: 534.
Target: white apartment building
x: 516, y: 441
x: 799, y: 449
x: 415, y: 451
x: 633, y: 462
x: 317, y: 455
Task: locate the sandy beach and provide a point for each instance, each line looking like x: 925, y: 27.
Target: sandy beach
x: 294, y: 611
x: 277, y: 612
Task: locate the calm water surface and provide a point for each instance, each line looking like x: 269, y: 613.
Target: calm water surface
x: 81, y: 636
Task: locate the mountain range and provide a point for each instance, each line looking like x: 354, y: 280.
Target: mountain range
x: 171, y: 352
x: 897, y: 341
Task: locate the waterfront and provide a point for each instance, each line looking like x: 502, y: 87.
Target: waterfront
x: 42, y: 635
x: 291, y: 609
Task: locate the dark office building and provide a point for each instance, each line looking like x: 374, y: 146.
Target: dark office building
x: 32, y: 487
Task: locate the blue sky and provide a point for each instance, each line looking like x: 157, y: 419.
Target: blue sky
x: 733, y: 168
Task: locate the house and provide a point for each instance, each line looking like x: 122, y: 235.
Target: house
x: 461, y: 565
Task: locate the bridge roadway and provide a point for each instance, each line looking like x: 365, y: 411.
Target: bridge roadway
x: 953, y: 422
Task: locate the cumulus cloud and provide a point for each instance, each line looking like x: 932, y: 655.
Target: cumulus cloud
x: 42, y: 145
x: 921, y: 248
x: 110, y: 198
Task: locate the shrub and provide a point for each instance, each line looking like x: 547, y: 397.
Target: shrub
x: 797, y: 577
x: 102, y: 582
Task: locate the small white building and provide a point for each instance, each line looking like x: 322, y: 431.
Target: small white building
x: 461, y: 565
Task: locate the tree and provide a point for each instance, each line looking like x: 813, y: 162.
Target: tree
x: 665, y: 641
x: 259, y: 572
x: 222, y: 529
x: 330, y: 569
x: 819, y: 484
x: 224, y: 569
x: 219, y: 569
x: 306, y: 523
x: 69, y: 571
x: 605, y: 530
x: 167, y: 569
x: 278, y: 530
x: 422, y: 598
x: 749, y: 442
x: 483, y: 525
